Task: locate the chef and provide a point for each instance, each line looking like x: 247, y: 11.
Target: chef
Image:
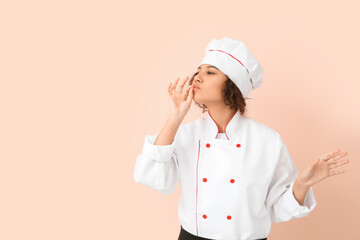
x: 237, y: 175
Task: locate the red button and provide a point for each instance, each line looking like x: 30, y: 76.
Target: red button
x: 238, y: 145
x: 232, y: 180
x: 204, y: 179
x: 208, y: 145
x: 204, y: 216
x: 229, y: 217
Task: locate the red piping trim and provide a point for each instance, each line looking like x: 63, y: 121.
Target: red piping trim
x: 215, y: 124
x: 229, y: 122
x: 226, y: 124
x: 197, y: 232
x: 236, y: 60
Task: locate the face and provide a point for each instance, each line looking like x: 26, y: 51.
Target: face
x: 211, y: 82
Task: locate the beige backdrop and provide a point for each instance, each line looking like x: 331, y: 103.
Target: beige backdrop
x: 83, y: 82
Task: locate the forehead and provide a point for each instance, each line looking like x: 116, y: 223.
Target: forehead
x: 205, y: 66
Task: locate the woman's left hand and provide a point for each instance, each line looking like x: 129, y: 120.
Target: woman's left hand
x: 323, y: 167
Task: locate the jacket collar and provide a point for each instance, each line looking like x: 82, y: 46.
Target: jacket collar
x: 230, y: 130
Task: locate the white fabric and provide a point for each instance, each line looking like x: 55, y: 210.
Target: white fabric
x: 261, y: 168
x: 221, y: 136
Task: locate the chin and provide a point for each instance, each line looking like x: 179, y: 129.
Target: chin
x: 198, y: 101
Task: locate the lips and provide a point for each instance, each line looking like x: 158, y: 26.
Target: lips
x: 196, y: 87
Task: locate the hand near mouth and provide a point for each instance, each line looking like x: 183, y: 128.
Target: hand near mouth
x: 180, y: 98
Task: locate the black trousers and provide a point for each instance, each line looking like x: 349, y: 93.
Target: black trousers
x: 185, y: 235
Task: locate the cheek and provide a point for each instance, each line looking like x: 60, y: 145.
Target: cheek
x: 217, y: 89
x: 213, y: 91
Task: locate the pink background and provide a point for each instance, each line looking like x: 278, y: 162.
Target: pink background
x: 83, y: 82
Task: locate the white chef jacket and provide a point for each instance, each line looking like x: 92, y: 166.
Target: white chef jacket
x: 231, y: 188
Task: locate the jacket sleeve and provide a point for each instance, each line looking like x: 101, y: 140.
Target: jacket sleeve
x: 157, y: 166
x: 280, y: 200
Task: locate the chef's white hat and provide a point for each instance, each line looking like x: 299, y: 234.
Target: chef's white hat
x: 235, y: 60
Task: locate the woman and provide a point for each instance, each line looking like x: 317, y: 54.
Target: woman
x: 236, y: 174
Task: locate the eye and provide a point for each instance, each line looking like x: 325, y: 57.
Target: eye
x: 207, y: 72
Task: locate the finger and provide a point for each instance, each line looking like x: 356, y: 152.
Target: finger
x: 183, y: 83
x: 179, y: 89
x: 336, y: 172
x: 329, y: 154
x: 339, y: 163
x: 336, y: 157
x: 338, y: 153
x: 178, y: 85
x: 191, y: 89
x: 169, y: 88
x: 175, y: 84
x: 186, y: 93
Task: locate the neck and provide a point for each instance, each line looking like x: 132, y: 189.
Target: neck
x: 222, y: 117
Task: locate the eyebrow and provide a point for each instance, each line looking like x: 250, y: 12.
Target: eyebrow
x: 209, y: 67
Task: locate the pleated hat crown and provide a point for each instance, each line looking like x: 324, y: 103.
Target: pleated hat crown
x: 235, y: 60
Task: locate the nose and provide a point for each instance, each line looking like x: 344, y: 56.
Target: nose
x: 197, y: 80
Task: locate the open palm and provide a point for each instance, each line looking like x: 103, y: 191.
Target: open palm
x: 323, y: 167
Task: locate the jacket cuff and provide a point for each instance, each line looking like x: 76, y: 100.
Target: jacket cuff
x: 161, y: 153
x: 297, y: 209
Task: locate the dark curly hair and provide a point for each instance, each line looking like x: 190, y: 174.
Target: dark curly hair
x: 232, y: 96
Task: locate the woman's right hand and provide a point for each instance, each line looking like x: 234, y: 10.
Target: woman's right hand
x: 180, y: 98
